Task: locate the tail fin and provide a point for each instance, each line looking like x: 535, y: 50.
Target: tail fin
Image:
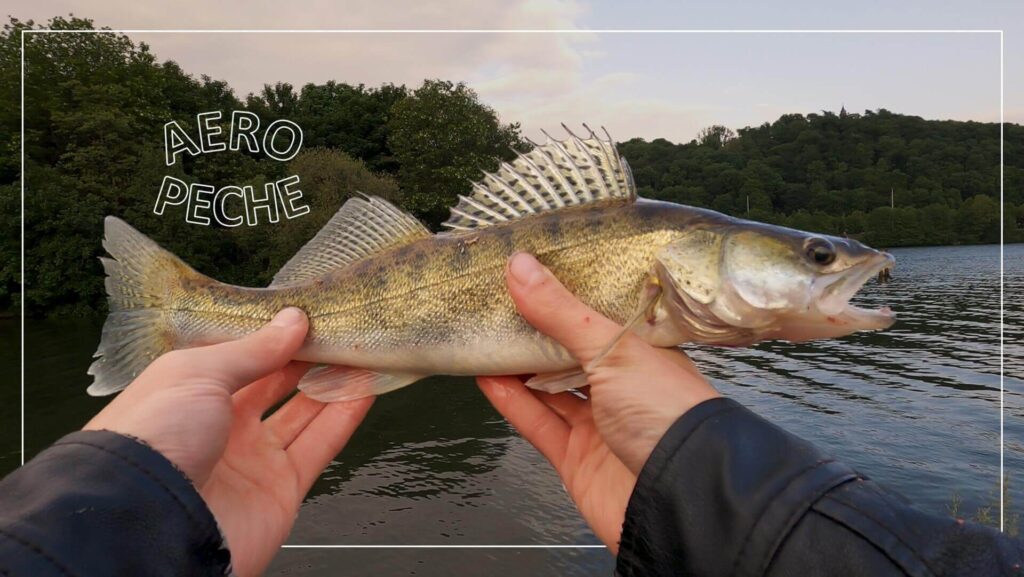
x: 140, y: 279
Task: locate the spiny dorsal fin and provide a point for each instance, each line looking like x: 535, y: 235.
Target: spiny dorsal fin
x: 360, y: 228
x: 556, y: 174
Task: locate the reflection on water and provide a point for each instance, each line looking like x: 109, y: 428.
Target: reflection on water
x: 915, y: 407
x: 434, y: 464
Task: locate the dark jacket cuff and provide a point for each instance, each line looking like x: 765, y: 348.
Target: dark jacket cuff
x: 718, y: 494
x: 99, y: 503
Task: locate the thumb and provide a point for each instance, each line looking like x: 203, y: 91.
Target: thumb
x: 235, y: 364
x: 547, y: 305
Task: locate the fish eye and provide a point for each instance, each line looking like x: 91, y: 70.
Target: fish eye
x: 821, y: 252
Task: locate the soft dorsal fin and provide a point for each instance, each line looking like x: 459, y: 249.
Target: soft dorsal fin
x: 361, y: 227
x: 555, y: 174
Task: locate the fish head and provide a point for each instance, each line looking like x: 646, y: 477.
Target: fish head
x: 742, y: 282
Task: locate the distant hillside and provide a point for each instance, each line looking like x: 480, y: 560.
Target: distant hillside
x: 838, y: 173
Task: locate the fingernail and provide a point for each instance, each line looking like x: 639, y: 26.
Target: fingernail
x: 288, y: 317
x: 525, y: 269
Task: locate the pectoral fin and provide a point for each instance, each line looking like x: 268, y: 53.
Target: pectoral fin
x: 558, y: 382
x: 332, y: 383
x: 646, y: 311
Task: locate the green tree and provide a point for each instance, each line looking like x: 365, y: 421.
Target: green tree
x: 979, y: 220
x: 353, y: 119
x: 715, y: 136
x: 840, y: 169
x: 95, y: 109
x: 443, y: 137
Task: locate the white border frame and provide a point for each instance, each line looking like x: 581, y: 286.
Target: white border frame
x: 1002, y: 52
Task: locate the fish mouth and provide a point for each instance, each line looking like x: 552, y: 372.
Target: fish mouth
x: 833, y: 293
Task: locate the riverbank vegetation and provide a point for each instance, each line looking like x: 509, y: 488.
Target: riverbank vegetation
x: 885, y: 178
x: 96, y: 105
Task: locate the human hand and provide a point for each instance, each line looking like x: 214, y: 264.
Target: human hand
x: 636, y: 392
x: 202, y: 408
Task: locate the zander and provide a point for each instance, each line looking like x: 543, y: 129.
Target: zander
x: 390, y: 303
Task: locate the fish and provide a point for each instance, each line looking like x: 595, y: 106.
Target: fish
x: 390, y: 303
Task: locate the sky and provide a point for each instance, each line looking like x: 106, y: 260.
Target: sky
x: 649, y: 85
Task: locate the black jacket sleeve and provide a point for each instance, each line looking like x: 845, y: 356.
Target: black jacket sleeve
x: 727, y: 493
x: 98, y: 503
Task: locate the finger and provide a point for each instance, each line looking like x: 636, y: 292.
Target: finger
x: 324, y: 437
x: 534, y: 420
x: 292, y: 418
x: 235, y: 364
x: 260, y: 396
x: 572, y: 409
x: 547, y: 305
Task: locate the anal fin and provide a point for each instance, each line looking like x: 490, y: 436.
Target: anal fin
x: 558, y: 381
x: 333, y: 383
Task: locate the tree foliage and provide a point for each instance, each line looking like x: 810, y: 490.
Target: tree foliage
x: 352, y: 119
x: 443, y: 137
x: 886, y: 178
x: 715, y: 136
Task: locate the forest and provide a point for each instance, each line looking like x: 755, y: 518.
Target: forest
x: 96, y: 106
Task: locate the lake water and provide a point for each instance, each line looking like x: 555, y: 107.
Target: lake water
x: 915, y: 407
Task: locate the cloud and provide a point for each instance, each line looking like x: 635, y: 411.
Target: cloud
x: 513, y: 71
x: 616, y: 101
x: 675, y: 84
x: 247, y: 61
